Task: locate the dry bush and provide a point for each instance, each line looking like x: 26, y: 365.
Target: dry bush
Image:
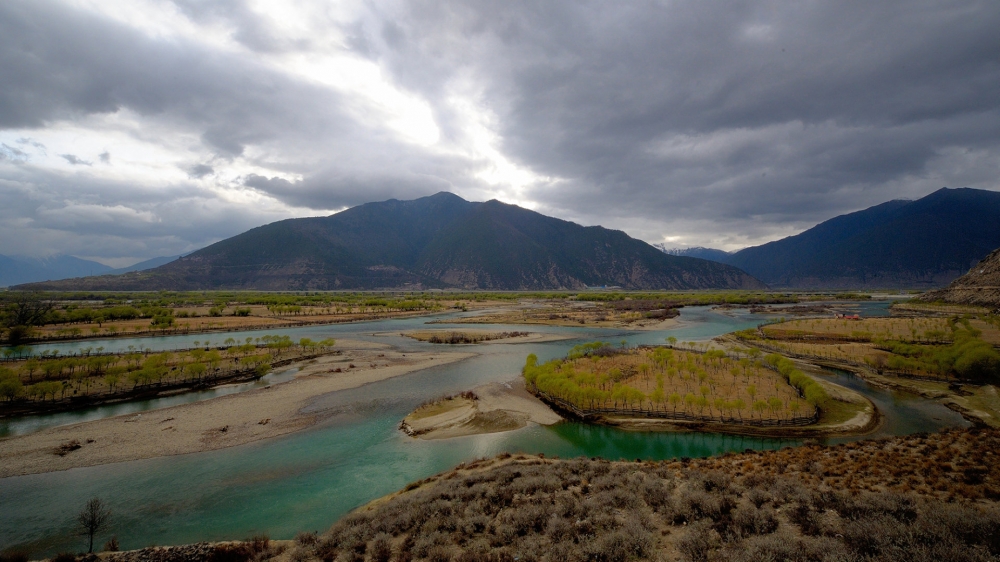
x: 783, y: 505
x: 239, y: 552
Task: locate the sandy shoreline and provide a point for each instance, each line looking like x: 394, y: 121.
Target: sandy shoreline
x: 218, y: 423
x: 499, y: 407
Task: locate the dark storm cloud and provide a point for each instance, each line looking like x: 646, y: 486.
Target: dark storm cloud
x: 101, y: 218
x: 733, y: 123
x: 830, y: 101
x: 60, y: 64
x: 333, y: 190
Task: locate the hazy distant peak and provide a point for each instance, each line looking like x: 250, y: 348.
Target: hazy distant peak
x: 700, y: 252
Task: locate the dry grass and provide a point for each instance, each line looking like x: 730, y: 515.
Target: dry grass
x: 571, y: 313
x: 867, y: 329
x: 198, y: 321
x: 922, y: 497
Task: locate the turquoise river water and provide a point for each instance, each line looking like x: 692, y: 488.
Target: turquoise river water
x: 307, y: 480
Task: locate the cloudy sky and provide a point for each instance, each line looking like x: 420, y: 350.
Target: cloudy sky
x: 138, y: 128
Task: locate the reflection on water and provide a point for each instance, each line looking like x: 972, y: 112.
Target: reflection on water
x: 902, y: 412
x: 307, y: 480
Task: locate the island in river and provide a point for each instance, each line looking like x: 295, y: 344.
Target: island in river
x: 221, y: 422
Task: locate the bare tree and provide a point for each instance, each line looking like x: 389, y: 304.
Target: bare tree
x: 94, y: 518
x: 26, y: 309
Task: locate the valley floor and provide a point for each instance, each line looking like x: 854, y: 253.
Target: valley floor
x: 221, y: 422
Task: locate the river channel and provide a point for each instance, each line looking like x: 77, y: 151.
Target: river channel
x: 306, y: 481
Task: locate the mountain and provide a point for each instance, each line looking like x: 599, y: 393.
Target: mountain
x: 980, y: 286
x: 15, y: 270
x: 144, y: 265
x: 439, y: 241
x: 710, y: 254
x: 924, y: 243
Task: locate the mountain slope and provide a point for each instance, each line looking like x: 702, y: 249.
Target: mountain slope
x: 923, y: 243
x: 500, y: 245
x: 980, y: 286
x: 710, y: 254
x: 144, y: 265
x: 15, y: 270
x: 437, y: 241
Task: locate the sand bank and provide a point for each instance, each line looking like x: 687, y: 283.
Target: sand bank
x: 221, y: 422
x: 498, y: 407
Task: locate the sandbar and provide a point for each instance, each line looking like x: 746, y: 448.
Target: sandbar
x: 498, y: 407
x: 218, y: 423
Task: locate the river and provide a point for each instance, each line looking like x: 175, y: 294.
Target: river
x: 306, y: 481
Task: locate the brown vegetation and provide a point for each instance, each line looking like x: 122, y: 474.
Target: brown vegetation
x: 624, y: 313
x: 909, y: 330
x: 948, y: 349
x: 455, y: 338
x: 921, y: 497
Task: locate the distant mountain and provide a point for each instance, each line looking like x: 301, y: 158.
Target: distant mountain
x: 980, y: 286
x: 699, y: 252
x: 144, y: 265
x: 913, y: 244
x: 15, y: 270
x: 439, y: 241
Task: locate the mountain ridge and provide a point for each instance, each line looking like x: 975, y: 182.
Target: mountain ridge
x: 439, y: 241
x: 923, y: 244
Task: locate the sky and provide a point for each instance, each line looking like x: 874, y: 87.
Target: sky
x: 131, y: 129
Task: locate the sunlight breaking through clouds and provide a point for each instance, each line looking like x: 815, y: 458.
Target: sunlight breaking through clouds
x: 673, y: 122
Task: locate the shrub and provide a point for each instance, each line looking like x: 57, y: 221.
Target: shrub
x: 748, y: 519
x: 782, y: 546
x: 230, y: 553
x: 111, y: 545
x: 258, y: 543
x: 699, y: 540
x: 381, y: 549
x: 306, y: 539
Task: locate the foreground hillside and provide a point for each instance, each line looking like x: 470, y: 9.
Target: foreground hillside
x: 909, y: 244
x: 979, y: 287
x: 439, y: 241
x: 921, y: 497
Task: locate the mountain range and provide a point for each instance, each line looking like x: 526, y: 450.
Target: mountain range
x: 440, y: 241
x: 699, y: 252
x: 899, y: 244
x: 15, y: 270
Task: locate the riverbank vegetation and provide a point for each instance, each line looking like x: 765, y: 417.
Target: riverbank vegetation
x: 36, y: 317
x: 949, y: 349
x: 464, y: 337
x: 29, y: 317
x: 48, y: 382
x: 597, y: 378
x: 919, y: 497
